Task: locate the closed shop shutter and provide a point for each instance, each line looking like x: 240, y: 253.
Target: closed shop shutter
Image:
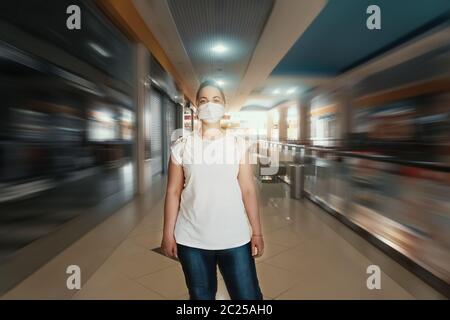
x: 170, y: 126
x: 171, y: 119
x: 156, y: 131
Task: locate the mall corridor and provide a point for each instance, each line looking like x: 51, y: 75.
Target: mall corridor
x: 309, y: 255
x: 344, y: 107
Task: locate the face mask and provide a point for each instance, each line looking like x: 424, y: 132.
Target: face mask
x: 211, y: 112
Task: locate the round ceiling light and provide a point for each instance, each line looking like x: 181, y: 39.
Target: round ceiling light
x: 219, y: 48
x: 220, y: 82
x: 291, y: 90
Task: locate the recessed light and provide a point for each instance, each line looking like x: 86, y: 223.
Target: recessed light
x: 291, y: 90
x: 219, y: 48
x: 155, y: 82
x: 276, y: 91
x: 100, y: 50
x: 220, y: 82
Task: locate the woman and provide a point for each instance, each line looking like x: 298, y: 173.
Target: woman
x: 211, y: 214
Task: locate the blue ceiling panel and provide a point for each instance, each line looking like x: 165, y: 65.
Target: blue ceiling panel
x: 338, y: 39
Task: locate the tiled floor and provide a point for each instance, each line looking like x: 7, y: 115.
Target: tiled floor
x: 309, y: 255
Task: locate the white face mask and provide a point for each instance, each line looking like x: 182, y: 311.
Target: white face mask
x: 211, y: 112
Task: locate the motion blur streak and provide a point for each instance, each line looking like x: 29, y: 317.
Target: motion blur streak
x: 66, y: 138
x: 390, y: 175
x: 364, y: 113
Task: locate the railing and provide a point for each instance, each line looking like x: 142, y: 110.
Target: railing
x: 403, y: 204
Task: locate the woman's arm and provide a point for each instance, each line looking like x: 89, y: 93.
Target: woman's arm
x: 250, y: 199
x: 175, y: 183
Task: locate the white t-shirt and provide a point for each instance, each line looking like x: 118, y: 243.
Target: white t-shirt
x: 212, y: 213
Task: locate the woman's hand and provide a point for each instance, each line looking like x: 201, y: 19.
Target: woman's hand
x: 169, y: 246
x: 257, y: 246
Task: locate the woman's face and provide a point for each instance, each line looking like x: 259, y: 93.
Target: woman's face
x: 209, y: 94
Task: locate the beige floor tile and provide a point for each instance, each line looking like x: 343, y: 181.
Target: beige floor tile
x: 143, y: 229
x: 183, y: 297
x: 140, y: 264
x: 222, y: 292
x: 320, y: 259
x: 319, y: 282
x: 331, y: 271
x: 271, y: 250
x: 273, y: 281
x: 284, y: 237
x: 342, y: 287
x: 148, y: 240
x: 169, y: 282
x: 267, y: 212
x: 219, y: 274
x: 271, y: 223
x: 305, y: 257
x: 128, y: 248
x: 310, y: 289
x: 154, y: 221
x: 220, y: 296
x: 390, y: 290
x: 107, y: 284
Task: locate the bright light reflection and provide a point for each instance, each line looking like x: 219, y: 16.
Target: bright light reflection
x: 219, y: 48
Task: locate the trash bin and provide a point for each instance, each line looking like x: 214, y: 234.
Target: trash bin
x: 296, y: 177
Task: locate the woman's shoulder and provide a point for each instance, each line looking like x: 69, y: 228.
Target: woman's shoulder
x: 179, y: 140
x: 183, y: 139
x: 178, y: 146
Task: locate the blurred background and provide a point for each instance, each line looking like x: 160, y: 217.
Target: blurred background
x: 87, y: 116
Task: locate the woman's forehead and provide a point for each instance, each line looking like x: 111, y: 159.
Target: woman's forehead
x: 209, y: 91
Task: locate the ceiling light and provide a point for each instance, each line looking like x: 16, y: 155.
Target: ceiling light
x: 276, y: 91
x: 291, y: 90
x: 219, y: 48
x: 97, y: 48
x: 220, y: 82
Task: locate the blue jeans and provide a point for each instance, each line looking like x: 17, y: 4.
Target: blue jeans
x: 236, y: 265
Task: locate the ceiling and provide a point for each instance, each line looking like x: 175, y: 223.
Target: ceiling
x: 277, y: 90
x: 231, y: 26
x: 276, y: 50
x: 339, y: 40
x: 253, y: 32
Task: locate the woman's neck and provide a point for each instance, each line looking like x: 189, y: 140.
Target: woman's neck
x: 211, y: 130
